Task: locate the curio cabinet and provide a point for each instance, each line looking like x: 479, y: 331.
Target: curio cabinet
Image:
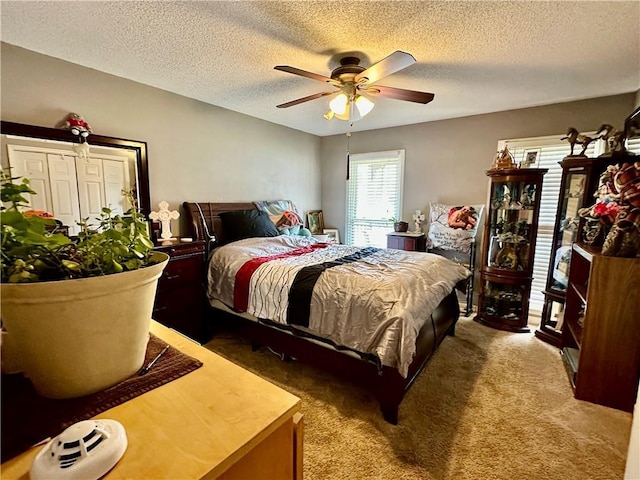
x: 508, y: 248
x: 579, y: 182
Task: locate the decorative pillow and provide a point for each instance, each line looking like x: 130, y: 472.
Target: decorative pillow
x: 247, y: 224
x: 453, y: 227
x: 283, y: 213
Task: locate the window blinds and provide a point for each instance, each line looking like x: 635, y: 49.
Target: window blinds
x: 374, y: 195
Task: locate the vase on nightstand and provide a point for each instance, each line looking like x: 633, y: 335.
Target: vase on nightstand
x: 400, y: 227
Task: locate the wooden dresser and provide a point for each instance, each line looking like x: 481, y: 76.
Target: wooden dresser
x: 180, y: 300
x: 219, y: 421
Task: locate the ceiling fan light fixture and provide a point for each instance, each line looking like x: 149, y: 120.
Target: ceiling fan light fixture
x: 339, y: 104
x: 329, y: 115
x: 363, y: 105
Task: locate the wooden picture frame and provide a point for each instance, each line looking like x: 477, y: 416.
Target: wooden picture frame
x: 334, y: 235
x: 315, y: 221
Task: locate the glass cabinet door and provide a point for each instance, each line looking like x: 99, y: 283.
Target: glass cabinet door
x: 503, y: 301
x: 572, y: 199
x: 511, y: 218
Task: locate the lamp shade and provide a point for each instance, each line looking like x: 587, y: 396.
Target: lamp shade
x: 339, y: 104
x: 364, y: 105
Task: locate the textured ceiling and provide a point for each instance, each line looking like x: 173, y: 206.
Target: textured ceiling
x: 477, y: 57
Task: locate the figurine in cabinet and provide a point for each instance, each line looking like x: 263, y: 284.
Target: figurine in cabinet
x: 507, y: 257
x: 502, y: 198
x: 528, y: 196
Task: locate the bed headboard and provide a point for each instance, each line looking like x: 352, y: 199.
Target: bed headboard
x: 204, y: 219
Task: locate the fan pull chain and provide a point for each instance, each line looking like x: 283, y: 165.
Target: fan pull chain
x: 348, y: 146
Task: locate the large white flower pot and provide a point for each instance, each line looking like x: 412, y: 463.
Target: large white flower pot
x: 77, y: 337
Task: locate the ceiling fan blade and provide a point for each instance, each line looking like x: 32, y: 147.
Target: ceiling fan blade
x: 304, y: 73
x: 388, y: 65
x: 398, y: 93
x: 305, y: 99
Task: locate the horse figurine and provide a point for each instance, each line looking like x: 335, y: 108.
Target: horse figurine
x: 605, y: 131
x: 574, y: 138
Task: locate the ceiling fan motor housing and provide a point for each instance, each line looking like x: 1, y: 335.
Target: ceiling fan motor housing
x: 348, y: 69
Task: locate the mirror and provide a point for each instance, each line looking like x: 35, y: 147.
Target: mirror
x: 632, y: 124
x: 70, y: 185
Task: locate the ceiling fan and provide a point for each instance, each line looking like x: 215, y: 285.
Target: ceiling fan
x: 353, y: 80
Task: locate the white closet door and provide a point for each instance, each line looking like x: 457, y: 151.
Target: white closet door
x: 90, y: 188
x: 64, y: 190
x: 115, y: 181
x: 33, y: 165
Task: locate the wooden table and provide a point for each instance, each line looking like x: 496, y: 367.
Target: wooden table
x: 219, y: 421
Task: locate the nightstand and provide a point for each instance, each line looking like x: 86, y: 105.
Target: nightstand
x: 180, y: 299
x: 413, y: 242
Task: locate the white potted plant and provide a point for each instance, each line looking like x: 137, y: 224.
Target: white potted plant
x: 78, y: 310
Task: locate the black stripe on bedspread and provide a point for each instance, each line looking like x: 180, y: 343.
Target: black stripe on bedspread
x: 299, y: 307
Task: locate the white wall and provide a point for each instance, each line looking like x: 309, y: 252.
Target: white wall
x: 197, y: 152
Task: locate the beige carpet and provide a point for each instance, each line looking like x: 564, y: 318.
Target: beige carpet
x: 490, y: 405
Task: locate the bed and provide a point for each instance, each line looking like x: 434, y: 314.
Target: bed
x: 390, y: 355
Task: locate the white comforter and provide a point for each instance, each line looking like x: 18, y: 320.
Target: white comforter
x: 376, y: 305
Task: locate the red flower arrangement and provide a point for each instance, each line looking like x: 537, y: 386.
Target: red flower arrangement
x: 607, y: 211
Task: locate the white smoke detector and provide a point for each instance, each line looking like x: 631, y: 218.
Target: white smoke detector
x: 85, y: 450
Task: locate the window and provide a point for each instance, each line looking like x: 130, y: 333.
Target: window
x: 374, y: 195
x: 550, y: 151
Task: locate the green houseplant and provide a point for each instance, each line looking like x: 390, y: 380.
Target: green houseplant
x: 30, y: 253
x: 77, y: 310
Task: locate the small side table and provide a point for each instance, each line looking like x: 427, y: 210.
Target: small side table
x: 180, y: 300
x: 410, y: 241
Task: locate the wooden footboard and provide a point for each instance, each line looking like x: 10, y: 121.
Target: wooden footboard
x: 386, y: 383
